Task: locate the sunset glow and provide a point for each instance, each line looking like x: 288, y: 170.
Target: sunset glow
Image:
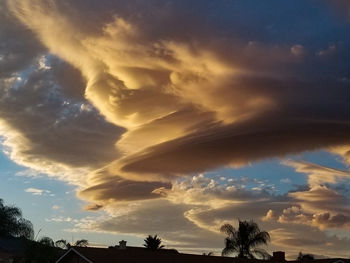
x: 122, y: 119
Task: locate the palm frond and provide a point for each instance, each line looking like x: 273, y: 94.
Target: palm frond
x: 261, y: 253
x: 227, y: 229
x: 228, y: 251
x: 260, y: 238
x: 245, y: 239
x: 153, y: 243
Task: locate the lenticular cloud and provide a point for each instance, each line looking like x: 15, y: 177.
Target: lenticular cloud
x: 179, y: 90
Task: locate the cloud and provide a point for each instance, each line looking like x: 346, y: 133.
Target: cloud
x: 294, y: 240
x: 319, y: 174
x: 235, y: 144
x: 119, y: 190
x: 173, y: 101
x: 330, y: 50
x: 343, y: 151
x: 158, y: 216
x: 18, y: 46
x: 92, y: 207
x: 342, y: 7
x: 200, y: 190
x: 181, y: 101
x: 298, y: 50
x: 286, y: 181
x: 61, y: 219
x: 50, y: 133
x: 187, y: 216
x: 190, y: 215
x: 322, y: 204
x: 326, y: 220
x: 36, y: 191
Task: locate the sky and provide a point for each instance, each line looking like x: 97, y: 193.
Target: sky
x: 123, y: 119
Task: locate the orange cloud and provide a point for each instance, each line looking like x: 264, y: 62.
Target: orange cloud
x: 120, y: 100
x: 204, y: 104
x: 321, y: 205
x: 318, y: 174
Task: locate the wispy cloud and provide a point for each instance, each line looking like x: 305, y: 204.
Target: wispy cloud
x: 36, y: 191
x: 61, y: 219
x: 319, y: 174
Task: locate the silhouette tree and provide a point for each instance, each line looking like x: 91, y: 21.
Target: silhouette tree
x: 208, y: 254
x: 302, y: 256
x: 66, y: 245
x: 46, y: 241
x: 245, y: 240
x: 81, y: 243
x: 13, y: 224
x: 62, y: 244
x: 153, y: 243
x: 43, y: 251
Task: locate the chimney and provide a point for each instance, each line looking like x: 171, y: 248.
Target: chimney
x: 122, y: 244
x: 278, y: 256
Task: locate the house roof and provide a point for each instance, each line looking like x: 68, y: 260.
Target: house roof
x: 138, y: 254
x: 324, y: 260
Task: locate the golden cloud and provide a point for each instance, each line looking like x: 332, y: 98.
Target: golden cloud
x: 186, y: 106
x: 122, y: 101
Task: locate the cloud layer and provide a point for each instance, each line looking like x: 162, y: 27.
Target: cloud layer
x: 204, y: 104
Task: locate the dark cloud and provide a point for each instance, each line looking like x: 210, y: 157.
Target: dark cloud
x: 70, y: 80
x: 342, y: 7
x: 93, y: 207
x: 294, y: 240
x: 118, y: 189
x: 51, y: 127
x: 18, y: 48
x: 239, y: 99
x: 326, y: 220
x: 238, y: 144
x: 323, y: 198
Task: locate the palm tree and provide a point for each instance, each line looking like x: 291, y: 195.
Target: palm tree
x: 13, y: 224
x: 153, y: 243
x: 245, y: 240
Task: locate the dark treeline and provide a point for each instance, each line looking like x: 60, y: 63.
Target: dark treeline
x: 17, y: 234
